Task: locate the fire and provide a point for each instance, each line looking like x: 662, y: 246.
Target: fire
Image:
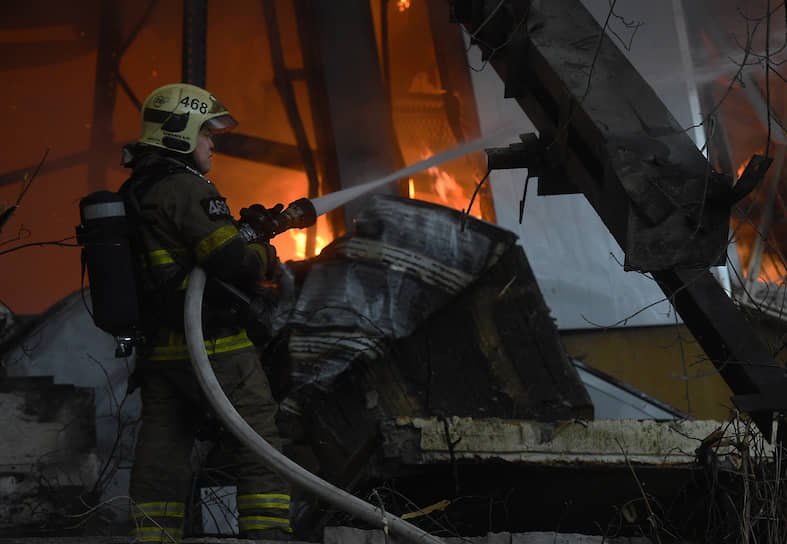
x: 299, y: 237
x: 402, y: 5
x: 449, y: 192
x: 771, y: 273
x: 741, y: 168
x: 445, y: 189
x: 744, y: 164
x: 771, y: 270
x: 445, y: 185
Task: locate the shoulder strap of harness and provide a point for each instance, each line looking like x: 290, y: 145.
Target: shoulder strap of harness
x: 133, y: 191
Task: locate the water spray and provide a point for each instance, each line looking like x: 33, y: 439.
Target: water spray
x: 304, y: 212
x: 326, y: 203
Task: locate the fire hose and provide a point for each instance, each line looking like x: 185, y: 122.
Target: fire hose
x: 278, y: 462
x: 299, y: 214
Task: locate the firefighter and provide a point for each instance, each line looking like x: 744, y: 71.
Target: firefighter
x: 182, y: 221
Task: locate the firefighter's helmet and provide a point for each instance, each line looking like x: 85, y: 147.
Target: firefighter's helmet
x: 173, y: 115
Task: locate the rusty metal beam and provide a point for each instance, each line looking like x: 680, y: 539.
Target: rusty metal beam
x: 313, y: 74
x: 729, y: 341
x: 358, y: 107
x: 254, y: 148
x: 602, y: 123
x: 459, y: 98
x: 195, y: 30
x: 283, y: 80
x: 102, y: 145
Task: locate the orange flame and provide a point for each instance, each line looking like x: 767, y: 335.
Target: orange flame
x: 744, y: 164
x: 445, y: 185
x: 402, y: 5
x: 741, y: 168
x: 449, y: 192
x: 445, y: 190
x: 771, y: 270
x: 299, y: 237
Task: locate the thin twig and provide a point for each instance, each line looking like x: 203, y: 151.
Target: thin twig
x: 652, y: 519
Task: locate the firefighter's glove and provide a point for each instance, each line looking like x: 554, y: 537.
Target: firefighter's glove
x: 259, y: 313
x: 261, y: 220
x: 272, y: 269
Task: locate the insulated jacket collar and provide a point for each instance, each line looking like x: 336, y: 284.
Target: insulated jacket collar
x: 150, y: 161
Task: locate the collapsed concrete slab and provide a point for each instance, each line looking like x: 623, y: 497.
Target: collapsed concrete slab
x: 62, y: 350
x: 607, y: 477
x: 48, y: 461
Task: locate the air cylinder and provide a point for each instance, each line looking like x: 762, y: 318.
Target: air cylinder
x: 107, y: 255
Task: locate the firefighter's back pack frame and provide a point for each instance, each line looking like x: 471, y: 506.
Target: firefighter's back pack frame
x: 109, y: 234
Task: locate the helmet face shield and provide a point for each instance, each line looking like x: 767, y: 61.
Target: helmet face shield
x: 222, y: 123
x: 173, y: 115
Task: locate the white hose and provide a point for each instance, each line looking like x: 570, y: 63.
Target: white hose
x: 278, y: 462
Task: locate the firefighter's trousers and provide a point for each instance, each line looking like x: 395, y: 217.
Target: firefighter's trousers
x: 173, y: 407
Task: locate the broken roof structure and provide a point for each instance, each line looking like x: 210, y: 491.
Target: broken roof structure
x: 439, y: 407
x: 455, y: 361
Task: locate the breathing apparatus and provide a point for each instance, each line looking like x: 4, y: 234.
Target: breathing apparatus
x: 104, y: 235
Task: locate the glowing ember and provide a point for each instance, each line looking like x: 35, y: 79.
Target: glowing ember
x: 402, y: 5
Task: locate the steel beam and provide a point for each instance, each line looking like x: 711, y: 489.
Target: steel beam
x: 616, y: 141
x: 283, y: 79
x: 730, y: 342
x: 357, y: 103
x: 195, y: 25
x: 313, y: 74
x: 458, y: 99
x: 600, y: 120
x: 102, y: 144
x: 254, y: 148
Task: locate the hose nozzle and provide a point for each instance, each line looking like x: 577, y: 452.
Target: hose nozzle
x: 259, y: 222
x: 299, y: 214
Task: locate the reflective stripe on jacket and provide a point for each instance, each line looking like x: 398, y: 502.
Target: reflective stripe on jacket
x: 177, y: 350
x: 186, y: 222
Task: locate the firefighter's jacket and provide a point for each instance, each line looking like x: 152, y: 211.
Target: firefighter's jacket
x: 181, y: 220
